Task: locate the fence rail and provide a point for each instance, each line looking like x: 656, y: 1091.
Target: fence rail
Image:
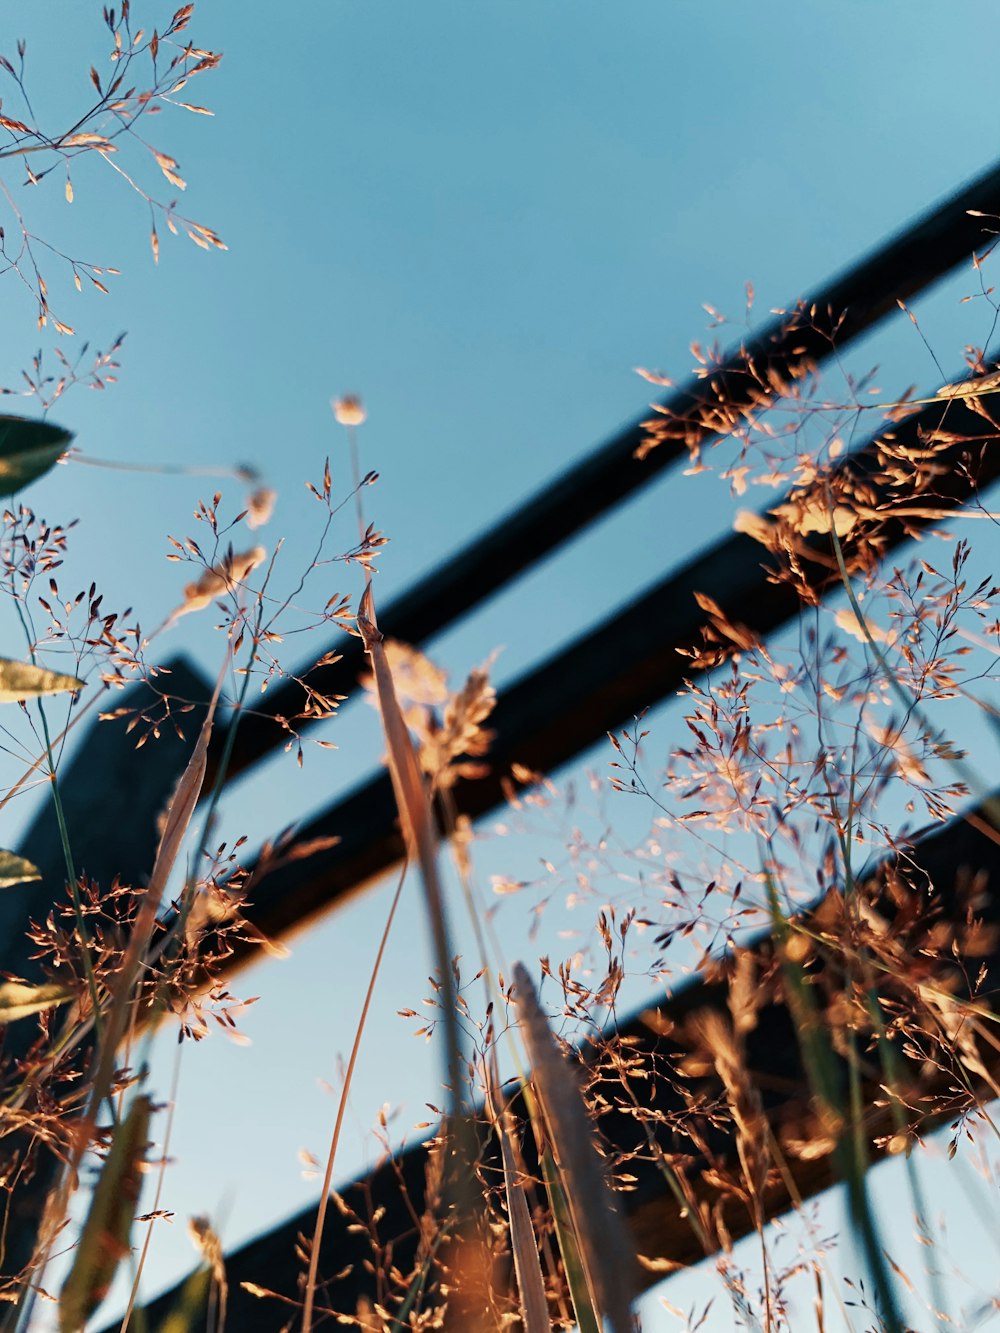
x: 595, y: 684
x: 655, y: 1038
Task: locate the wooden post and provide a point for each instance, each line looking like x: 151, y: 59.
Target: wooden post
x: 112, y: 796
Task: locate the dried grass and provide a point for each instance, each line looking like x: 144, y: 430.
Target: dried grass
x: 806, y: 777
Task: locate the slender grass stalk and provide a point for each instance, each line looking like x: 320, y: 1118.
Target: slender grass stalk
x: 845, y: 1125
x: 131, y: 1309
x: 178, y: 818
x: 581, y: 1295
x: 891, y: 1066
x: 605, y: 1245
x: 844, y: 826
x: 527, y: 1268
x: 80, y: 713
x: 419, y: 833
x: 317, y: 1239
x: 420, y: 837
x: 400, y: 1320
x: 566, y: 1238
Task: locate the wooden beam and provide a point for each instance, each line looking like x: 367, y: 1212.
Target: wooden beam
x: 840, y: 311
x: 597, y: 683
x: 112, y: 796
x: 657, y: 1038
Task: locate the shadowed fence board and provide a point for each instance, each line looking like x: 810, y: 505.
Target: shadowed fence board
x: 629, y: 663
x: 112, y: 796
x: 594, y: 685
x: 851, y: 304
x: 951, y: 854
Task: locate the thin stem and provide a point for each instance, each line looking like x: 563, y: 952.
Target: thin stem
x: 310, y: 1296
x: 74, y: 888
x: 165, y: 1149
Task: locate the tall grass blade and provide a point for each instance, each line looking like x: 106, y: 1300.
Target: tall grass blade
x: 24, y: 680
x: 104, y: 1241
x: 523, y: 1244
x: 178, y: 818
x: 605, y: 1245
x: 846, y: 1130
x: 416, y: 816
x: 569, y: 1250
x: 417, y: 820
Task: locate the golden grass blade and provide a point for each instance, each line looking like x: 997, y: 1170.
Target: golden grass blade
x: 407, y: 779
x: 523, y: 1243
x: 605, y: 1245
x: 24, y: 680
x: 104, y: 1241
x: 562, y: 1225
x: 15, y: 869
x: 419, y: 831
x: 19, y: 1000
x: 178, y: 819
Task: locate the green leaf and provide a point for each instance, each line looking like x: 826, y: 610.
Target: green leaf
x: 21, y: 680
x: 19, y: 1001
x: 576, y: 1277
x: 16, y: 870
x: 27, y: 450
x: 105, y: 1238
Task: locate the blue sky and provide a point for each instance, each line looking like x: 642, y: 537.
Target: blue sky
x: 481, y: 218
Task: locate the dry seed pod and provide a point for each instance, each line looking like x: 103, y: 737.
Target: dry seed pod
x: 349, y: 410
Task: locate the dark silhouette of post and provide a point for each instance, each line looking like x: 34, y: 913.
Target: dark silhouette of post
x: 112, y: 797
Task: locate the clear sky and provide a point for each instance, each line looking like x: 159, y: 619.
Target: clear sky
x: 480, y: 217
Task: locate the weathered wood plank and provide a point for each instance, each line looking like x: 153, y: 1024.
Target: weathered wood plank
x: 851, y: 304
x: 596, y: 684
x: 945, y: 858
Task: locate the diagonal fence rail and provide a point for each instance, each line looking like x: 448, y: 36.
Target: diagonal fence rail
x: 601, y: 680
x: 841, y: 311
x: 634, y: 660
x: 657, y: 1039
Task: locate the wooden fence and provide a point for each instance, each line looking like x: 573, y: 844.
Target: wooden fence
x: 542, y: 721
